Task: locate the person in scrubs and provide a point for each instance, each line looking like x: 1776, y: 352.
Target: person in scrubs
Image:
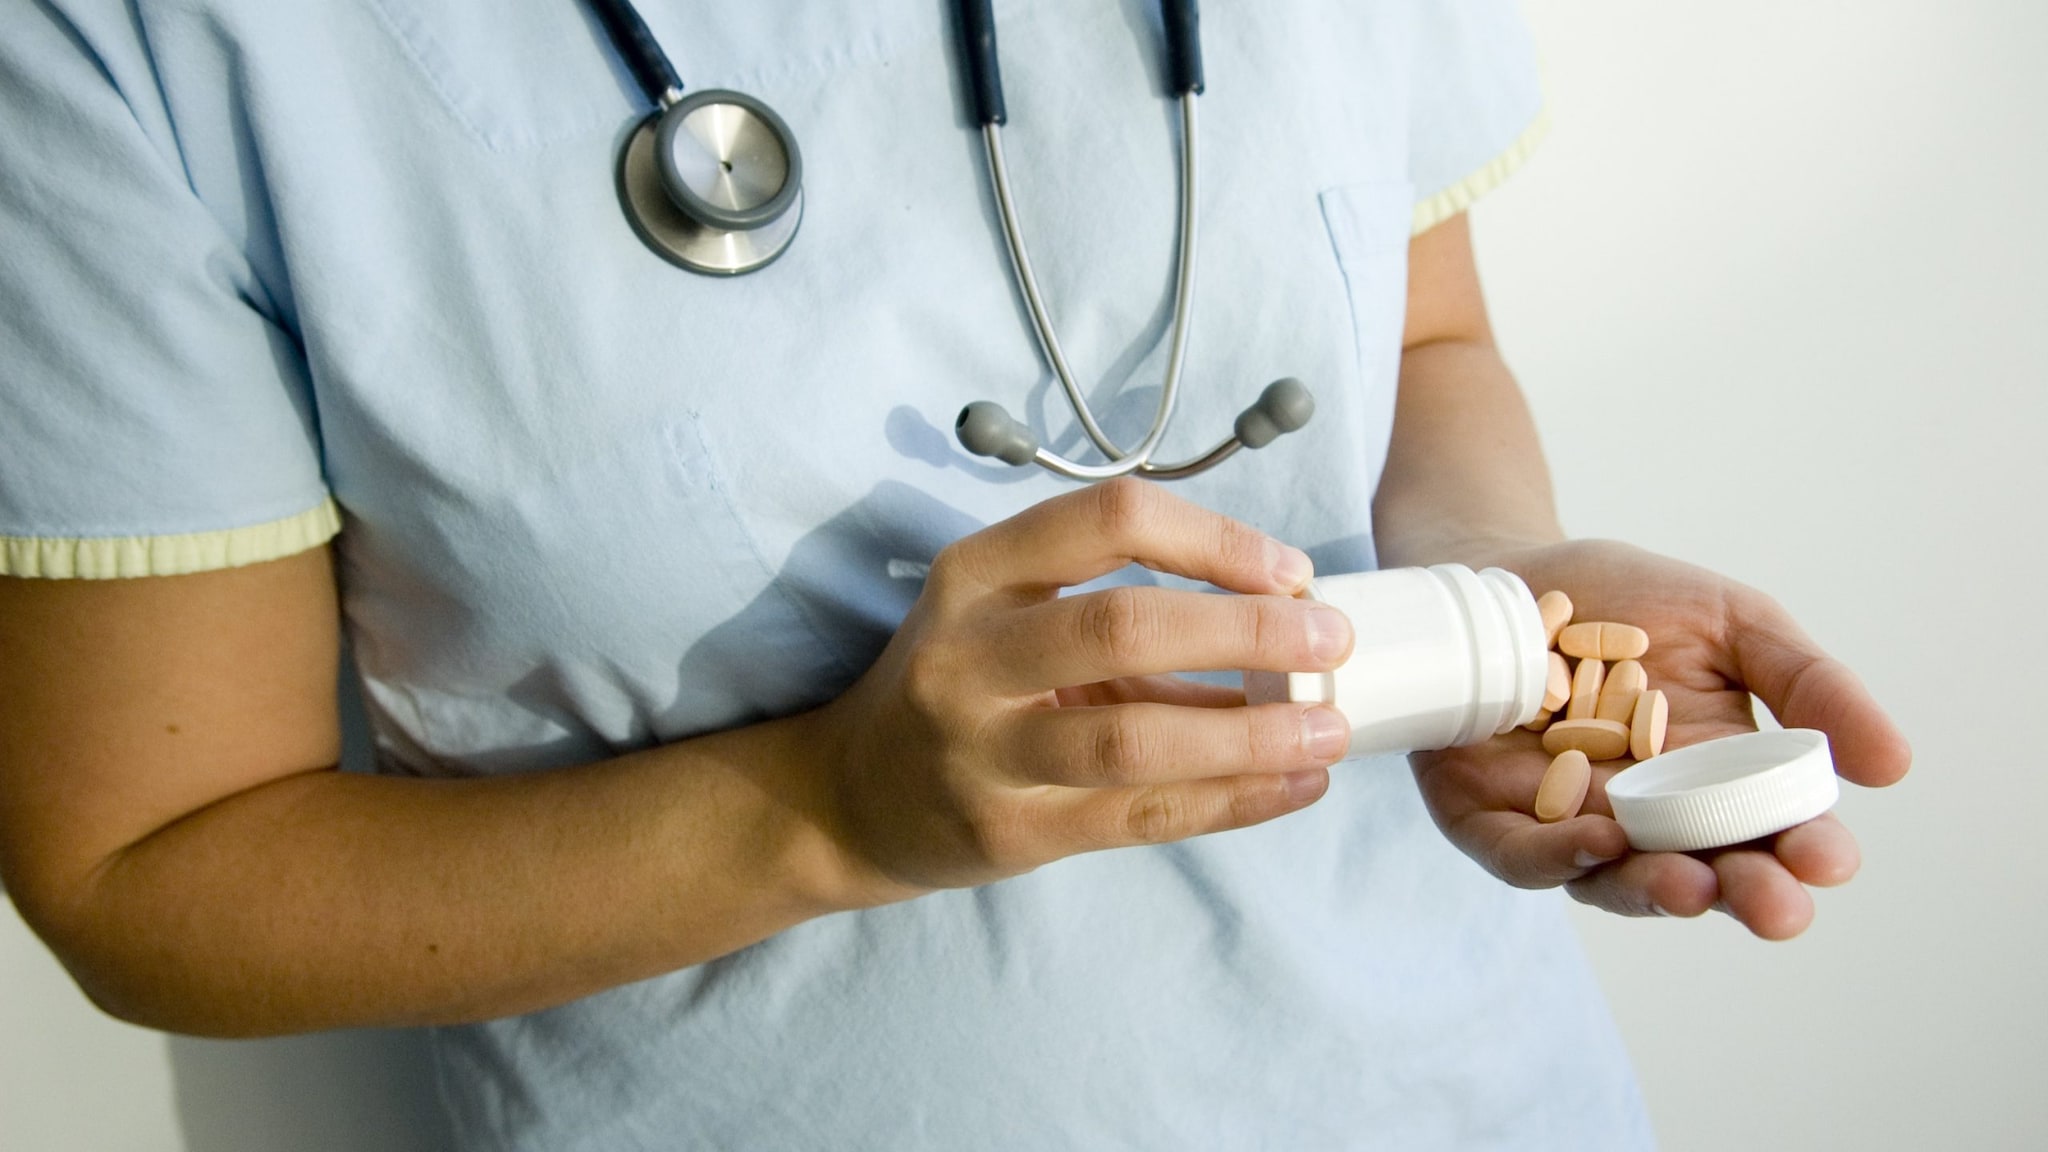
x: 744, y: 764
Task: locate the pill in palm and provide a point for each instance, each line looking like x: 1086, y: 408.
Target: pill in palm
x: 1542, y: 721
x: 1556, y: 609
x: 1625, y: 681
x: 1585, y: 697
x: 1597, y: 640
x: 1558, y: 691
x: 1598, y: 739
x: 1623, y: 642
x: 1564, y: 786
x: 1646, y: 726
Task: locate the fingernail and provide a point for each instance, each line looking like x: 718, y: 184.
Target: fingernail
x: 1329, y: 633
x: 1324, y: 733
x: 1305, y: 787
x: 1661, y: 910
x: 1290, y: 567
x: 1585, y: 859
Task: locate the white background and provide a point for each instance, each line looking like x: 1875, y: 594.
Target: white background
x: 1778, y: 288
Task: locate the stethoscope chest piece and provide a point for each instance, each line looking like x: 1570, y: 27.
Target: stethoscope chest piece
x: 713, y: 183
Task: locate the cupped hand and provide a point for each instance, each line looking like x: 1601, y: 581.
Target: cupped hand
x: 1007, y: 725
x: 1713, y: 643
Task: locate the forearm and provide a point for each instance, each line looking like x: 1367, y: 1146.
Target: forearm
x: 1465, y: 473
x: 326, y: 900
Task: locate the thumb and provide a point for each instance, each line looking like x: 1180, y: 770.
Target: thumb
x: 1804, y: 687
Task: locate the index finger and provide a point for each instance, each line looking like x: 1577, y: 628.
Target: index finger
x: 1076, y: 537
x: 1804, y: 687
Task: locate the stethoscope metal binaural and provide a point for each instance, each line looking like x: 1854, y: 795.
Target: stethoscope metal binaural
x: 713, y: 182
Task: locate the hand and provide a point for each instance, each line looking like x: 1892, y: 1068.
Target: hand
x: 1006, y: 726
x: 1712, y: 643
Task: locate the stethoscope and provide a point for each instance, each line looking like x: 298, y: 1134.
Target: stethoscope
x: 713, y: 182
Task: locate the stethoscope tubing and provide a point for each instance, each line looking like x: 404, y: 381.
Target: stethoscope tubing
x: 1120, y: 462
x: 642, y: 53
x: 1182, y: 24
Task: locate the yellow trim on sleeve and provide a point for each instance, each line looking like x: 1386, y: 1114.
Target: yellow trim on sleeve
x: 119, y: 557
x: 1460, y: 196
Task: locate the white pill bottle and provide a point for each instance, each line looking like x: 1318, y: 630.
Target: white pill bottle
x: 1445, y: 657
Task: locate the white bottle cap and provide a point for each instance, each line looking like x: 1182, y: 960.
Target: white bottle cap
x: 1725, y: 791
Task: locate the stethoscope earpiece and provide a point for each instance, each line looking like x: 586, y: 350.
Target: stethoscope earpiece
x: 986, y: 428
x: 1285, y: 406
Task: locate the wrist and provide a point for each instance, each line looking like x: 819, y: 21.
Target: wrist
x: 814, y: 861
x: 1472, y: 548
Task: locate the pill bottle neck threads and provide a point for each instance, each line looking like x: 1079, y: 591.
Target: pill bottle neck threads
x: 1529, y: 659
x: 1444, y: 657
x: 1509, y: 653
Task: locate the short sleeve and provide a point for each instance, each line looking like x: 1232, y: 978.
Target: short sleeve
x: 1477, y: 108
x: 154, y: 419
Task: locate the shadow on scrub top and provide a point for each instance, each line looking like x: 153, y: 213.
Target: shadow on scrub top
x: 820, y: 621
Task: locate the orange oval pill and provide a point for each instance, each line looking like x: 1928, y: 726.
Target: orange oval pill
x: 1585, y: 698
x: 1541, y: 721
x: 1559, y: 688
x: 1625, y: 681
x: 1580, y: 641
x: 1623, y: 642
x: 1556, y: 609
x: 1598, y: 640
x: 1598, y: 739
x: 1646, y: 727
x: 1564, y: 786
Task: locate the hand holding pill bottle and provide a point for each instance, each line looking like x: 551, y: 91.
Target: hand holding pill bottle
x: 1657, y: 657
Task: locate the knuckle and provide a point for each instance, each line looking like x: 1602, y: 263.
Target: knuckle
x: 1002, y: 840
x: 1250, y: 801
x: 948, y: 569
x: 1122, y: 747
x: 1117, y: 623
x: 1158, y: 816
x: 1268, y: 625
x: 1240, y: 547
x: 1125, y: 506
x: 929, y: 680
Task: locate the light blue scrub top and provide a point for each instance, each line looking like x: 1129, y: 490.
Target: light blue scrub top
x: 262, y: 256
